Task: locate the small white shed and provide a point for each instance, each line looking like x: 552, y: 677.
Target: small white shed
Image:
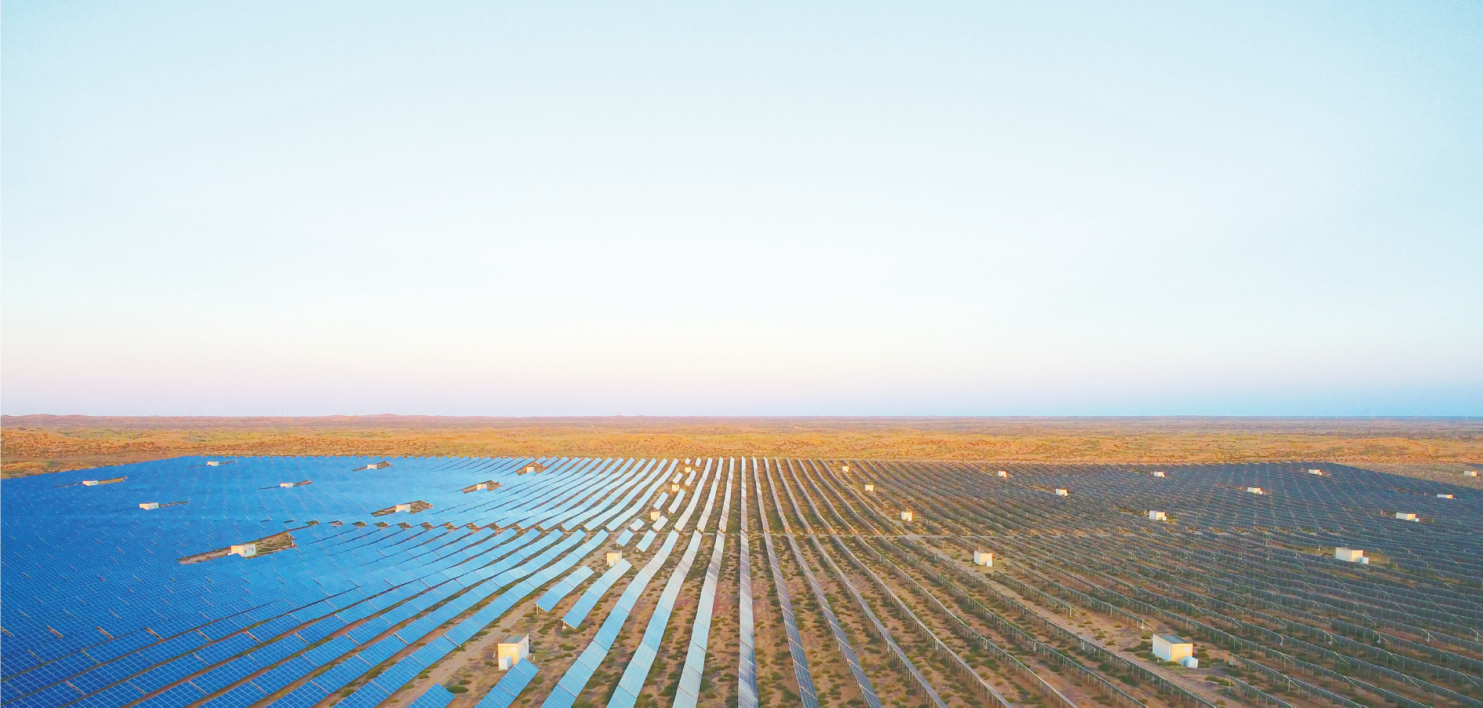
x: 404, y: 507
x: 1004, y: 474
x: 1349, y: 554
x: 285, y: 484
x: 156, y: 505
x: 870, y: 487
x: 1062, y: 493
x: 212, y: 463
x: 246, y: 550
x: 1255, y: 490
x: 1320, y: 473
x: 654, y: 515
x: 512, y: 649
x: 1158, y: 474
x: 1444, y: 496
x: 1470, y: 473
x: 90, y: 483
x: 1170, y: 647
x: 983, y: 558
x: 613, y: 558
x: 906, y: 516
x: 1157, y: 516
x: 1403, y: 516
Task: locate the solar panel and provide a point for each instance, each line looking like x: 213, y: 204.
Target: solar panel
x: 509, y: 688
x: 688, y: 694
x: 560, y: 590
x: 746, y: 671
x: 594, y: 593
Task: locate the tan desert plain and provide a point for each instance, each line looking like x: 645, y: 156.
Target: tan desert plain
x: 1418, y: 447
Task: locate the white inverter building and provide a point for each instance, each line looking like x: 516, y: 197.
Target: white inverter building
x: 1170, y: 647
x: 512, y: 649
x: 1349, y: 554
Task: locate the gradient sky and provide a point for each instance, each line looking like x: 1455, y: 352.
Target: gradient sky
x: 955, y: 208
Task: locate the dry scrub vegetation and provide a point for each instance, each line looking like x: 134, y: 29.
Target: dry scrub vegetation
x: 37, y: 444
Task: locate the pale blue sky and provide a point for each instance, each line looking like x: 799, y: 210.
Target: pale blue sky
x: 743, y: 208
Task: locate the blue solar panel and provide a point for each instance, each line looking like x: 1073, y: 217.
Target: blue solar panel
x: 561, y: 590
x: 688, y: 694
x: 746, y: 672
x: 594, y: 593
x: 435, y: 697
x: 509, y: 688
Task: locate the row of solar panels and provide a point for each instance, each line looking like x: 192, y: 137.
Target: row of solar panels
x: 746, y: 678
x: 687, y: 695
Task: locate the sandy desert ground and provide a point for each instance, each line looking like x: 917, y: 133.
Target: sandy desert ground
x: 38, y: 444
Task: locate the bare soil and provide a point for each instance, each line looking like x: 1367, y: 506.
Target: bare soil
x: 36, y: 444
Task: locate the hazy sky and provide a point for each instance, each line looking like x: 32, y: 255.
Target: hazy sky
x: 514, y: 208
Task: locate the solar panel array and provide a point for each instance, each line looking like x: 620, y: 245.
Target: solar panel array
x: 350, y: 584
x: 862, y: 682
x: 575, y: 679
x: 637, y: 671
